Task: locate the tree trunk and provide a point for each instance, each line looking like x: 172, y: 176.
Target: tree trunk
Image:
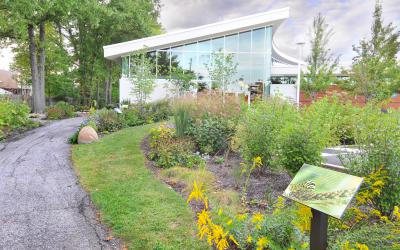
x: 41, y: 65
x: 108, y: 89
x: 37, y: 108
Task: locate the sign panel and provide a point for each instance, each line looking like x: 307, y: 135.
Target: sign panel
x: 323, y: 189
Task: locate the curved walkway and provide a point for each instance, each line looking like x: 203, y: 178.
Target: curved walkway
x: 42, y: 205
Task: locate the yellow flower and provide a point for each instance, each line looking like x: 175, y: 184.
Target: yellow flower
x: 249, y: 239
x: 384, y: 219
x: 222, y: 244
x: 279, y: 205
x: 262, y: 243
x: 233, y: 240
x: 396, y: 213
x: 197, y: 193
x: 257, y: 161
x: 257, y: 217
x: 362, y: 246
x: 229, y: 222
x: 241, y: 217
x: 378, y: 183
x: 376, y: 212
x: 303, y: 220
x: 220, y: 211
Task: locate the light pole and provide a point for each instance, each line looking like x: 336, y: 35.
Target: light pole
x: 300, y: 47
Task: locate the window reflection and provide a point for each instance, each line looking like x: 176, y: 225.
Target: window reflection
x: 163, y: 63
x: 245, y: 41
x: 258, y: 40
x: 204, y: 45
x: 125, y: 66
x: 231, y: 43
x: 218, y: 44
x: 251, y: 49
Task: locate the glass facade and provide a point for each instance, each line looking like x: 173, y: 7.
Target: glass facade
x: 250, y: 49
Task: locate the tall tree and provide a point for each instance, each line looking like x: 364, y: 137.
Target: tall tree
x: 321, y: 62
x: 25, y: 21
x: 93, y: 24
x: 375, y: 69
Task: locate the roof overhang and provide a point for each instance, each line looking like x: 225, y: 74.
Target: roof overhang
x: 271, y: 18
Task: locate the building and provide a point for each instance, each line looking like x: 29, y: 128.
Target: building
x: 249, y: 39
x: 10, y: 86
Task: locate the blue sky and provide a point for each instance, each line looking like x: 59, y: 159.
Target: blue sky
x: 350, y: 19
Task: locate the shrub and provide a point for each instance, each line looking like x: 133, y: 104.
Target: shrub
x: 377, y: 138
x: 108, y: 120
x: 258, y: 130
x: 60, y: 111
x: 13, y: 115
x: 169, y: 151
x: 212, y: 134
x: 132, y: 117
x: 148, y: 112
x: 298, y: 143
x: 339, y: 118
x: 160, y: 110
x: 382, y: 236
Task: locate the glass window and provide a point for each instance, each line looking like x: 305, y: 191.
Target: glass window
x: 189, y: 61
x: 218, y: 44
x: 258, y: 67
x: 245, y: 67
x: 268, y: 40
x: 125, y: 66
x: 257, y: 40
x: 231, y: 43
x: 163, y: 62
x: 191, y: 47
x: 177, y: 58
x: 204, y: 60
x: 245, y: 41
x: 178, y: 48
x: 205, y: 45
x: 152, y: 56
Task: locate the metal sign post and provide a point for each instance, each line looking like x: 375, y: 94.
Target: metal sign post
x: 319, y: 230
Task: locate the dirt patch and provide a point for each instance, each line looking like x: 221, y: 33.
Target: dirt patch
x: 264, y: 185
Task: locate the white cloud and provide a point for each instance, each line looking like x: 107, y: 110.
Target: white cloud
x: 351, y: 20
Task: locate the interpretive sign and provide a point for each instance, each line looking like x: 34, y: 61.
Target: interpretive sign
x: 322, y: 189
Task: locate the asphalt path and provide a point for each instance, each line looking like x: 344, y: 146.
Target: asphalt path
x: 42, y: 205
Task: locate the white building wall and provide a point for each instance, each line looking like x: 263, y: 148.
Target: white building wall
x: 287, y: 91
x: 161, y: 90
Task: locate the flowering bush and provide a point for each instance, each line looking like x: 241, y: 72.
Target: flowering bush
x: 60, y: 111
x: 281, y: 229
x: 167, y: 150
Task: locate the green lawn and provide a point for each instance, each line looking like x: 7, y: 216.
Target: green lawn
x: 140, y: 209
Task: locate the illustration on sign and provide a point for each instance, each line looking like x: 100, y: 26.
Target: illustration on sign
x: 323, y: 189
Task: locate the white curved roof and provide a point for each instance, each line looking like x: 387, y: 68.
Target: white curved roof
x: 271, y: 18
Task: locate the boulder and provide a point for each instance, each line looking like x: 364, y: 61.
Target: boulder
x: 87, y: 135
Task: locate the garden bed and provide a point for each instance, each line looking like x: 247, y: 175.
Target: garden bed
x: 265, y: 186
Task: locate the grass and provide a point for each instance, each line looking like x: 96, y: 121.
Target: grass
x: 140, y: 209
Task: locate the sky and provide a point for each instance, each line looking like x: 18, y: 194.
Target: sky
x: 351, y: 20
